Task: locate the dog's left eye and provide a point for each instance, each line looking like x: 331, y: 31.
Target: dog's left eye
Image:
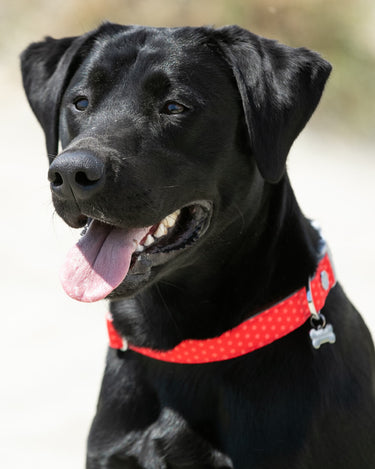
x: 81, y: 103
x: 172, y: 107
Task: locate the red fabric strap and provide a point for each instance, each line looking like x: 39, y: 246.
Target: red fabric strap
x: 252, y: 334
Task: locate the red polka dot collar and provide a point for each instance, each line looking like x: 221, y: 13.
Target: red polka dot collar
x: 257, y: 331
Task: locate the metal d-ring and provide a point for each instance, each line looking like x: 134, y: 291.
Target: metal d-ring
x: 318, y: 323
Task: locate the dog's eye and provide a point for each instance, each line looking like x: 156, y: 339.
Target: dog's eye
x: 172, y: 107
x: 81, y: 103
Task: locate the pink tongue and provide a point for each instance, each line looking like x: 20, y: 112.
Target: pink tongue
x: 99, y: 262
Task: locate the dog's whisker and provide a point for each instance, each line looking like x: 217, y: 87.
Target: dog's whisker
x: 241, y: 216
x: 170, y: 314
x: 173, y: 285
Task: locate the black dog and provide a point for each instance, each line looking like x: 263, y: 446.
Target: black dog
x: 174, y: 144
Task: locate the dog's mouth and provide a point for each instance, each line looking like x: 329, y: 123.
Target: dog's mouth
x: 106, y: 253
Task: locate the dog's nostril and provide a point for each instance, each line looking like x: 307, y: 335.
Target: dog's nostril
x: 82, y: 179
x: 57, y: 180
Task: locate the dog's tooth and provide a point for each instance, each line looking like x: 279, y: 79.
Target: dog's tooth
x: 174, y: 215
x: 169, y: 221
x: 149, y: 240
x: 161, y: 231
x: 140, y: 248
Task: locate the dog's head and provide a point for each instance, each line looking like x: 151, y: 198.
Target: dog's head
x: 163, y: 132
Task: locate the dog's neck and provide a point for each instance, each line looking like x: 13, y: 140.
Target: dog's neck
x: 269, y: 258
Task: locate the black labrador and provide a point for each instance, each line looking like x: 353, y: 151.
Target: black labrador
x: 173, y: 149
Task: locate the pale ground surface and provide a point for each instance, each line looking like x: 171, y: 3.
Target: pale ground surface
x: 53, y: 348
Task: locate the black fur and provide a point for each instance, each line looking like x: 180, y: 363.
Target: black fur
x: 247, y: 98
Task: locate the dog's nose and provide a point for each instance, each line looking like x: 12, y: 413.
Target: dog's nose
x: 76, y: 175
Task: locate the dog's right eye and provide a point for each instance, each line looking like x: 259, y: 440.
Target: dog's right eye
x: 172, y: 107
x: 81, y: 103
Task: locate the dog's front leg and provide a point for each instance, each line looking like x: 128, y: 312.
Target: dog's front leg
x: 128, y: 407
x: 168, y: 443
x: 133, y: 430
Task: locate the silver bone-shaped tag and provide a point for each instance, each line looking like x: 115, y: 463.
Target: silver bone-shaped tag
x: 322, y: 335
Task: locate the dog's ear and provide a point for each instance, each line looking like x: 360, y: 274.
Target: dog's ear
x: 47, y: 67
x: 280, y: 88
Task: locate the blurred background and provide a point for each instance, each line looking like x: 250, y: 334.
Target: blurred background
x: 52, y: 348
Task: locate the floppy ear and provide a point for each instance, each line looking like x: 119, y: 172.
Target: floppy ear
x: 47, y: 67
x: 280, y: 88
